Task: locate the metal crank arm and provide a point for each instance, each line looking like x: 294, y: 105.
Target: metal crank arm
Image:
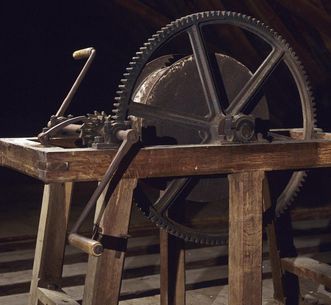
x: 44, y: 137
x: 88, y: 245
x: 88, y: 53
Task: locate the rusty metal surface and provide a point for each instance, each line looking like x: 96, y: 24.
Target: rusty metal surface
x: 190, y: 102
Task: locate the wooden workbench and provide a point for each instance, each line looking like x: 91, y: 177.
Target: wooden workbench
x: 55, y: 164
x: 246, y: 164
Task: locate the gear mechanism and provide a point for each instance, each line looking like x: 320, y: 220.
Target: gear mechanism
x: 225, y: 104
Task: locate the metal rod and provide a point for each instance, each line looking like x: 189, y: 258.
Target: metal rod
x: 87, y: 245
x: 44, y: 136
x: 80, y: 54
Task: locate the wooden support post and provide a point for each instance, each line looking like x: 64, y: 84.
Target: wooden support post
x: 308, y: 268
x: 104, y: 273
x: 245, y: 238
x: 51, y: 238
x: 172, y: 269
x: 276, y: 267
x: 287, y: 248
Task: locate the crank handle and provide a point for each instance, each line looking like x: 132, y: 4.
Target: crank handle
x: 129, y: 137
x: 88, y: 53
x: 87, y: 245
x: 83, y: 53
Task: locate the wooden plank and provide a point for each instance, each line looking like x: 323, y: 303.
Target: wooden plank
x: 49, y: 254
x: 245, y: 238
x: 196, y: 259
x: 172, y: 262
x: 314, y: 16
x: 309, y: 268
x: 52, y: 297
x: 300, y: 214
x: 89, y: 164
x: 103, y: 286
x: 206, y: 296
x: 287, y: 248
x: 144, y: 11
x: 149, y: 263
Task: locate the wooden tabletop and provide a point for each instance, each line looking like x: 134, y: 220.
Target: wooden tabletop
x: 55, y: 164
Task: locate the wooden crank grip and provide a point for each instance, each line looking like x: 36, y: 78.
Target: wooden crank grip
x: 82, y: 53
x: 87, y: 245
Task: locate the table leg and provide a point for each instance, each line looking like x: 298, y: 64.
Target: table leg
x: 245, y: 238
x: 172, y: 269
x: 104, y: 273
x: 274, y: 256
x: 51, y: 238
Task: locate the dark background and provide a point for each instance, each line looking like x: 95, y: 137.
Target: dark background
x: 38, y: 69
x: 37, y: 40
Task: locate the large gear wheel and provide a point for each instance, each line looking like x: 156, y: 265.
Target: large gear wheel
x: 144, y: 80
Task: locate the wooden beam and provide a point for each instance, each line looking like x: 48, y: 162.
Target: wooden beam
x: 314, y: 16
x: 104, y: 273
x: 274, y: 257
x: 162, y: 161
x: 308, y: 268
x: 51, y: 239
x: 172, y: 262
x: 172, y: 269
x: 245, y: 238
x: 52, y: 297
x: 144, y: 11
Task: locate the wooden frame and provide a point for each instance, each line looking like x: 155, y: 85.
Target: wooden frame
x: 59, y: 166
x: 54, y: 164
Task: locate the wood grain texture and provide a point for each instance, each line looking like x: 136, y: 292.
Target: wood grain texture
x: 50, y: 245
x: 274, y: 257
x: 245, y: 238
x: 90, y: 165
x: 308, y: 268
x: 104, y: 273
x: 51, y: 297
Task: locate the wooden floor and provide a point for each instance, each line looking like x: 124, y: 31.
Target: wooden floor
x: 206, y: 269
x: 206, y: 266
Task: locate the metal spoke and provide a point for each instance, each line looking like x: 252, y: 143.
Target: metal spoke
x: 255, y: 83
x: 156, y: 113
x: 169, y: 196
x: 205, y: 70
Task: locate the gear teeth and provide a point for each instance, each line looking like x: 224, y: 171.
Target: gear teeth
x: 132, y: 73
